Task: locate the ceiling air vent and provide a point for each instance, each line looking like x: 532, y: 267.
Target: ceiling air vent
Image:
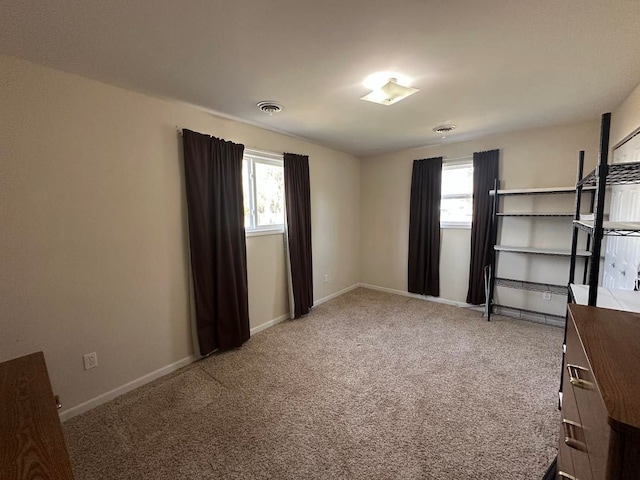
x: 269, y: 107
x: 444, y: 129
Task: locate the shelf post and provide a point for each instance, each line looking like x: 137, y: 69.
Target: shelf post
x: 574, y: 249
x: 576, y: 216
x: 601, y: 184
x: 588, y: 247
x: 492, y: 244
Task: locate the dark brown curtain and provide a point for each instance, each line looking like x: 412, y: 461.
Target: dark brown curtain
x: 485, y: 173
x: 298, y: 201
x: 424, y: 227
x: 213, y: 174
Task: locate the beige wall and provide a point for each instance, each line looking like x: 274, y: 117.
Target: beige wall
x: 94, y: 235
x: 94, y: 253
x: 623, y: 253
x: 535, y: 158
x: 626, y: 118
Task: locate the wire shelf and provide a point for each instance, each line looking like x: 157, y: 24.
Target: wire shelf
x: 535, y: 214
x: 542, y: 317
x: 533, y: 191
x: 532, y: 286
x: 618, y: 174
x: 540, y: 251
x: 620, y: 229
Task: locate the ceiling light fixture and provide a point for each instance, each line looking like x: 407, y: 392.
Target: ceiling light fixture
x: 377, y: 80
x: 269, y: 107
x: 387, y: 90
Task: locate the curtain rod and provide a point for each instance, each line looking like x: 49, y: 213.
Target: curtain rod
x: 446, y: 160
x: 250, y: 151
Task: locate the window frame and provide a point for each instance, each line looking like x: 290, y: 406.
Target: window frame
x: 266, y: 158
x: 464, y: 162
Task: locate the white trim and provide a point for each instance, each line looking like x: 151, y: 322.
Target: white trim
x: 253, y: 158
x: 459, y: 225
x: 448, y: 196
x: 149, y: 377
x: 458, y: 162
x: 122, y: 389
x: 336, y: 294
x: 270, y: 323
x: 458, y: 159
x: 161, y: 372
x: 271, y: 157
x: 419, y: 297
x: 258, y: 233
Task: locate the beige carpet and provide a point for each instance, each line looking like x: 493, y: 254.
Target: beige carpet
x: 368, y: 386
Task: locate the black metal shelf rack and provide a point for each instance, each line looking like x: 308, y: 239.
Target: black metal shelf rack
x: 600, y: 178
x: 493, y: 280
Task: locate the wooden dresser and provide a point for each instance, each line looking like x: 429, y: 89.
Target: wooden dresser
x: 600, y: 429
x: 31, y: 441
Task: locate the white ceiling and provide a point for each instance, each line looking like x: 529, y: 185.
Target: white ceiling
x: 488, y: 66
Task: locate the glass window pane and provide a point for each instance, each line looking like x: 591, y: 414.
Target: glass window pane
x: 270, y: 194
x: 246, y: 189
x: 459, y: 210
x: 457, y: 180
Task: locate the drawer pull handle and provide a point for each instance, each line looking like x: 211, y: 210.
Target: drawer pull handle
x: 571, y: 430
x: 574, y: 377
x: 561, y: 474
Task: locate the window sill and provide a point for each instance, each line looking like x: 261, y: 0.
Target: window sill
x: 459, y: 226
x: 260, y: 233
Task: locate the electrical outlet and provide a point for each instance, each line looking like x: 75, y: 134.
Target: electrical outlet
x: 90, y: 360
x: 546, y: 295
x: 326, y: 278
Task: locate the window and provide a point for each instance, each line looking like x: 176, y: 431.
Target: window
x: 456, y: 205
x: 263, y: 190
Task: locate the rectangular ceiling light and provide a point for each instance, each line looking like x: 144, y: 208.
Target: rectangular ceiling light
x: 389, y: 93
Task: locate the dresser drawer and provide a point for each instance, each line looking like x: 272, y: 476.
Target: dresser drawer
x: 565, y: 461
x: 573, y: 442
x: 603, y: 379
x: 591, y: 408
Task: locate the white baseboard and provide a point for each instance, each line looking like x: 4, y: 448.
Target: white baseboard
x: 268, y: 324
x: 336, y: 294
x: 138, y: 382
x: 127, y: 387
x: 419, y: 297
